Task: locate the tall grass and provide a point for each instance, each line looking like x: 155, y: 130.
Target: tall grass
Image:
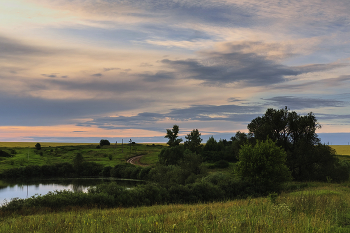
x: 324, y: 209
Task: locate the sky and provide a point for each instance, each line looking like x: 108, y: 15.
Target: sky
x: 83, y: 70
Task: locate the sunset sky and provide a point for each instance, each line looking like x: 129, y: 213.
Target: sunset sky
x: 82, y: 70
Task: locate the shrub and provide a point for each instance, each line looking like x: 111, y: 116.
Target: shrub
x: 106, y: 171
x: 104, y: 142
x: 38, y: 146
x: 222, y: 164
x: 263, y: 165
x: 171, y: 155
x: 5, y: 154
x: 143, y: 174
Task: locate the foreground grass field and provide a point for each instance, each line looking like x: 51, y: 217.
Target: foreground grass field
x: 319, y: 208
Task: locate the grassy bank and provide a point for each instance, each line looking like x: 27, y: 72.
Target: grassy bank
x: 59, y: 153
x: 321, y: 208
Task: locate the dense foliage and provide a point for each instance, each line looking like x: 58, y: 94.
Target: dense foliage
x: 307, y: 158
x: 263, y: 165
x: 5, y: 154
x: 104, y: 142
x: 38, y: 146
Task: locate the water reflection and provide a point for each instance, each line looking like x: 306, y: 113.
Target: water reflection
x: 26, y: 188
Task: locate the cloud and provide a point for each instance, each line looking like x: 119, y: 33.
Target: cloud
x: 320, y: 83
x: 97, y: 75
x: 302, y: 103
x: 201, y: 113
x: 109, y: 69
x: 12, y: 48
x: 246, y: 69
x: 31, y: 111
x: 159, y: 76
x: 53, y: 75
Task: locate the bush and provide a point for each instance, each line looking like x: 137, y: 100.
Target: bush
x: 143, y: 174
x: 263, y: 165
x: 5, y: 154
x: 222, y: 164
x: 104, y: 142
x: 38, y: 146
x: 122, y: 170
x: 13, y: 151
x: 106, y: 171
x: 171, y: 155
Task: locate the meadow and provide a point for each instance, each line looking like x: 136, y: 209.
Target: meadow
x: 320, y: 207
x: 301, y: 207
x: 25, y: 154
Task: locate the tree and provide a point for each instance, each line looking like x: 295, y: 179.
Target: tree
x: 104, y: 142
x: 193, y: 142
x: 296, y: 134
x: 38, y: 146
x: 286, y: 128
x: 263, y: 165
x: 211, y: 145
x: 172, y: 136
x: 171, y: 155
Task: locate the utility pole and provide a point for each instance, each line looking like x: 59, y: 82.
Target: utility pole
x: 130, y: 145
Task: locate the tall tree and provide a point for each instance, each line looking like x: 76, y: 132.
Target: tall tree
x: 193, y: 141
x: 171, y: 134
x: 296, y: 134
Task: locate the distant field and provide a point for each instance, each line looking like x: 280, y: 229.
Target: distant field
x: 342, y: 149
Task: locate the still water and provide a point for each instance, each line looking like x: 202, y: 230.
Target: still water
x: 25, y: 189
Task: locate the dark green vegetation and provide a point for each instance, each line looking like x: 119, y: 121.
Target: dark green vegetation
x: 281, y: 146
x: 263, y: 165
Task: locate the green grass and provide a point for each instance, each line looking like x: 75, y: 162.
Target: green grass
x: 315, y: 209
x: 30, y: 156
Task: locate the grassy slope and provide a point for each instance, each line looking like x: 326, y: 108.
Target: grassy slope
x: 321, y: 208
x: 66, y: 153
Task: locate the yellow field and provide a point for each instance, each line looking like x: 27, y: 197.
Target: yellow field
x: 342, y: 149
x: 43, y: 144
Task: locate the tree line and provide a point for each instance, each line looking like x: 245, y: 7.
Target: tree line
x: 289, y: 140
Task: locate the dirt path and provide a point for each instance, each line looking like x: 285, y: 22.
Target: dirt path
x: 136, y: 161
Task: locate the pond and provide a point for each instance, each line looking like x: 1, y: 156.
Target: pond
x: 28, y: 188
